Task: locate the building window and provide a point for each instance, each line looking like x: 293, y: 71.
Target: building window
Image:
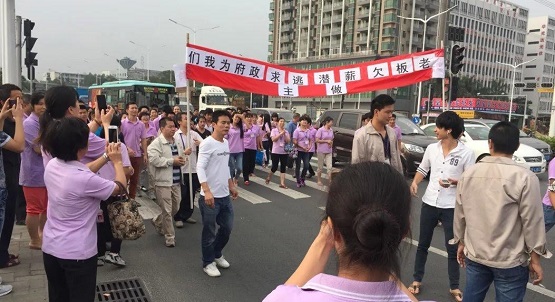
x: 532, y: 55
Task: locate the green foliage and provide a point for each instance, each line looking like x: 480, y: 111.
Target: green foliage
x: 468, y: 87
x: 548, y: 139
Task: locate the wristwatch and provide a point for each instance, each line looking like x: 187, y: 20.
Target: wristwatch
x: 106, y: 156
x: 551, y: 187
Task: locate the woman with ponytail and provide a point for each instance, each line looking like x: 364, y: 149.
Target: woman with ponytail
x: 367, y: 217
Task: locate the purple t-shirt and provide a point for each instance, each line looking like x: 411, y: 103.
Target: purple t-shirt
x: 133, y: 133
x: 278, y: 147
x: 398, y: 132
x: 235, y: 141
x: 151, y: 130
x: 249, y: 137
x: 74, y: 195
x: 156, y: 123
x: 323, y: 134
x: 264, y: 129
x: 302, y: 137
x: 108, y: 171
x: 32, y: 170
x: 550, y: 176
x: 327, y: 288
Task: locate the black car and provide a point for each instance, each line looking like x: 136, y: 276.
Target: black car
x: 347, y: 121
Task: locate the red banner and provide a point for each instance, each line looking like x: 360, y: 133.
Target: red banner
x: 472, y: 104
x: 217, y: 68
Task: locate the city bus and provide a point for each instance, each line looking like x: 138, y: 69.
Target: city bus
x: 141, y: 92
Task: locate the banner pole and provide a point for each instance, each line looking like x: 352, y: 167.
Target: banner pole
x: 190, y: 172
x: 443, y: 82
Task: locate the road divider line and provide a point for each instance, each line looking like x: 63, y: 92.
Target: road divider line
x: 290, y: 193
x: 544, y: 291
x: 308, y: 183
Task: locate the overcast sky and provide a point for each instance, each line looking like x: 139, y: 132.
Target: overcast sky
x: 71, y: 32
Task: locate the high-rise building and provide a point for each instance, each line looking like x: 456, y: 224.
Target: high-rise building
x: 540, y: 43
x: 495, y: 33
x: 311, y: 34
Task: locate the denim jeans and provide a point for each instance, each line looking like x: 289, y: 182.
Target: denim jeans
x: 214, y: 242
x: 235, y: 164
x: 3, y: 200
x: 509, y: 283
x: 305, y: 157
x: 429, y: 216
x: 549, y: 216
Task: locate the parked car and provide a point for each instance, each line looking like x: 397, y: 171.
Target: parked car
x: 286, y: 114
x: 347, y: 121
x: 476, y: 138
x: 533, y: 142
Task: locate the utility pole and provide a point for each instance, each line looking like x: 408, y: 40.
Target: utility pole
x: 7, y: 25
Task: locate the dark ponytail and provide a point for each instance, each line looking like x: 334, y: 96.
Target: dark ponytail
x: 369, y: 205
x: 57, y: 100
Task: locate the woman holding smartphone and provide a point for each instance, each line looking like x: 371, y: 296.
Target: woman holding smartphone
x: 252, y: 142
x: 280, y: 137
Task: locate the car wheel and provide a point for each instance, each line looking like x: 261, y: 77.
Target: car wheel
x: 481, y: 156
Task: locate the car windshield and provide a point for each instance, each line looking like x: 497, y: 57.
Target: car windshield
x: 287, y: 115
x: 521, y: 133
x: 408, y: 127
x: 217, y: 100
x: 477, y: 133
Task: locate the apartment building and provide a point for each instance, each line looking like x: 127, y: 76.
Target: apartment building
x: 495, y: 33
x: 310, y: 34
x: 540, y: 43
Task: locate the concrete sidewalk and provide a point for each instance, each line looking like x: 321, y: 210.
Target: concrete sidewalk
x: 28, y: 278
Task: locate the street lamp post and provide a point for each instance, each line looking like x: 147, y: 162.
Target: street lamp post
x: 514, y: 67
x: 147, y: 59
x: 194, y: 30
x: 425, y: 21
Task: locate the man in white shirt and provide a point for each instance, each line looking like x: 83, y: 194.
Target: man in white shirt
x: 446, y: 160
x: 190, y: 145
x: 215, y: 202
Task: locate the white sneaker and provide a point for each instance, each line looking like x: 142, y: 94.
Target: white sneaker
x: 211, y: 270
x: 5, y: 289
x: 221, y: 262
x: 179, y: 224
x: 114, y: 259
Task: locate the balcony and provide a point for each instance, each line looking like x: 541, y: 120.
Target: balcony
x: 287, y: 6
x: 337, y: 5
x: 391, y: 4
x: 362, y: 27
x: 363, y: 2
x: 285, y: 50
x: 336, y: 31
x: 286, y: 17
x: 363, y: 13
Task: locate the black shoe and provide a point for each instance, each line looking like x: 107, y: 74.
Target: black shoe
x: 309, y: 175
x: 20, y: 222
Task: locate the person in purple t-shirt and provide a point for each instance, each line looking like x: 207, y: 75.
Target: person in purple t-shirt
x: 134, y: 134
x: 324, y: 140
x: 549, y: 198
x: 365, y: 225
x: 31, y: 175
x: 252, y: 142
x: 280, y: 137
x: 235, y: 138
x: 303, y: 142
x: 74, y: 195
x: 397, y: 129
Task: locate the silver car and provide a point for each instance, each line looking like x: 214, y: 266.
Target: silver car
x: 533, y: 142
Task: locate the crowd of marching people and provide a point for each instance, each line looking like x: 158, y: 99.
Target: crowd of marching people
x: 66, y: 164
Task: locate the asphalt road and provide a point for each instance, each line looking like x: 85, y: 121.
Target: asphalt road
x: 272, y: 231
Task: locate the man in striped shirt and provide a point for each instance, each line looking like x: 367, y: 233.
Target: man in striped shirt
x: 165, y: 159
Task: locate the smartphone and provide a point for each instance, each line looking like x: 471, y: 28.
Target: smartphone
x: 101, y: 102
x: 113, y: 134
x: 13, y: 102
x: 445, y: 182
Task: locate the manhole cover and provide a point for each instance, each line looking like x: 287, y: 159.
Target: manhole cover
x: 128, y: 290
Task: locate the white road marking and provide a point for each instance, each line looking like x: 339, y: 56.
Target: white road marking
x: 274, y: 186
x: 251, y: 197
x: 544, y: 291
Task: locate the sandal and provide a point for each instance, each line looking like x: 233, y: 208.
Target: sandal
x: 283, y: 186
x: 247, y: 183
x: 268, y: 180
x: 14, y: 256
x: 11, y: 262
x: 456, y: 294
x: 414, y: 288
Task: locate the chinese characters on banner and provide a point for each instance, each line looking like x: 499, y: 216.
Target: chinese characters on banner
x: 217, y: 68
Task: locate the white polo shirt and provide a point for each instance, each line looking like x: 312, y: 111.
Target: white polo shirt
x: 452, y: 166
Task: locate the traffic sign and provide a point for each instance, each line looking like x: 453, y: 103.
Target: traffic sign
x: 416, y: 119
x: 545, y: 90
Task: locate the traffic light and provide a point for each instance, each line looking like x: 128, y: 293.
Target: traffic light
x: 30, y: 56
x: 457, y: 56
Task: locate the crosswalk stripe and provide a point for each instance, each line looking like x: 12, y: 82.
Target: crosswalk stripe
x: 251, y: 197
x: 308, y: 183
x: 148, y: 209
x: 274, y: 186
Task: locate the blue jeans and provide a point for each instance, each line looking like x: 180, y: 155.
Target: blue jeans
x: 510, y: 283
x: 549, y: 216
x: 3, y: 200
x: 305, y: 157
x: 222, y: 214
x: 235, y: 164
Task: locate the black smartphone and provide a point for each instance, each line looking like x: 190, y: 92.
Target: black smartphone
x: 13, y: 102
x: 101, y: 102
x: 113, y: 134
